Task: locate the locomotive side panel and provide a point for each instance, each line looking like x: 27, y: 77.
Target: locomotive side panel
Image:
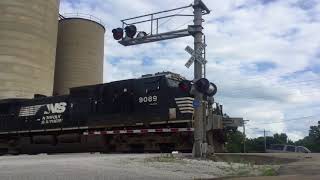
x: 151, y: 100
x: 128, y: 102
x: 9, y: 110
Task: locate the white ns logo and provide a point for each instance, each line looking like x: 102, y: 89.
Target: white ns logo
x: 56, y: 108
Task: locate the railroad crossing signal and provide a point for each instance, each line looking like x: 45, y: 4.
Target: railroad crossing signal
x: 195, y: 30
x: 195, y: 55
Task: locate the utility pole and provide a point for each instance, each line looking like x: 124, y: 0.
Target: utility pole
x: 264, y: 137
x: 265, y: 140
x: 198, y: 113
x: 244, y: 136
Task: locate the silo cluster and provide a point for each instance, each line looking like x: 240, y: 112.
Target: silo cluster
x: 40, y: 54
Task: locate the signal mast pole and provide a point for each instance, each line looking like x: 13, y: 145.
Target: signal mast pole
x: 200, y: 9
x: 199, y: 133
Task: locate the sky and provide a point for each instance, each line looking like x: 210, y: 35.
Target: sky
x: 264, y: 55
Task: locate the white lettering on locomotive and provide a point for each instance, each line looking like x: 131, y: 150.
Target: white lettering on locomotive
x: 56, y: 108
x: 51, y: 119
x: 148, y: 99
x: 49, y: 109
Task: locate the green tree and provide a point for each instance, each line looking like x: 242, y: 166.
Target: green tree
x: 255, y: 145
x: 234, y: 142
x: 312, y: 141
x: 280, y: 138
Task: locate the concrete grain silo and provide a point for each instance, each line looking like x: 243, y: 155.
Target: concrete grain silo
x: 80, y: 51
x: 28, y: 37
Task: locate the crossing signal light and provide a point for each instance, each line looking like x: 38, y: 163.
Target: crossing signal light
x: 185, y: 86
x: 131, y: 31
x: 202, y: 85
x: 205, y: 87
x: 117, y: 33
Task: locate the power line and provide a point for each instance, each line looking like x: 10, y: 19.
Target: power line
x: 182, y: 25
x: 286, y: 120
x: 261, y: 76
x: 169, y: 19
x: 280, y: 84
x: 265, y: 96
x: 241, y: 97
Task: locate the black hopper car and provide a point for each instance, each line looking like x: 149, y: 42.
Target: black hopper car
x: 148, y: 114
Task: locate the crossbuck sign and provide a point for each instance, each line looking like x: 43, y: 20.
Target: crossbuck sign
x: 195, y: 55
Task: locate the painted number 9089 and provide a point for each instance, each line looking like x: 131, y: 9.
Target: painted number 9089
x: 148, y: 99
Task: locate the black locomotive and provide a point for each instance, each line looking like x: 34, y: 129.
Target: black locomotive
x: 113, y: 116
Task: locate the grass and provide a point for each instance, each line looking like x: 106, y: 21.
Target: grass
x: 269, y: 172
x: 242, y: 167
x: 253, y: 159
x: 235, y: 167
x: 167, y: 158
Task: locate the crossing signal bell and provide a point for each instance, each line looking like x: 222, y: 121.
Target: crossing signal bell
x: 141, y: 34
x: 212, y: 90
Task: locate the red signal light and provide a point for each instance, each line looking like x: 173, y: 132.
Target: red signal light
x: 185, y: 86
x: 117, y: 33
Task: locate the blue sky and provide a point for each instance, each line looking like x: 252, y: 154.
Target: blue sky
x: 262, y: 54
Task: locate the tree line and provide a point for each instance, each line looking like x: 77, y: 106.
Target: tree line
x: 235, y: 141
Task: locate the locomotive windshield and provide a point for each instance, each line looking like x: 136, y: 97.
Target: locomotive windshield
x: 173, y: 82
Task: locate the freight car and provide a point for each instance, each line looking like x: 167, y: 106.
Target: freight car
x: 148, y: 114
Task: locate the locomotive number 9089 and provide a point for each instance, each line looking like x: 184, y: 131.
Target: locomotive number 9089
x: 148, y: 99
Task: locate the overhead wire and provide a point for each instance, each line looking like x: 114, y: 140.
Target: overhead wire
x: 279, y: 85
x: 286, y: 120
x: 169, y: 19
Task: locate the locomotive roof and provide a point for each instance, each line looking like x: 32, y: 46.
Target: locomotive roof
x: 167, y: 74
x: 10, y: 100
